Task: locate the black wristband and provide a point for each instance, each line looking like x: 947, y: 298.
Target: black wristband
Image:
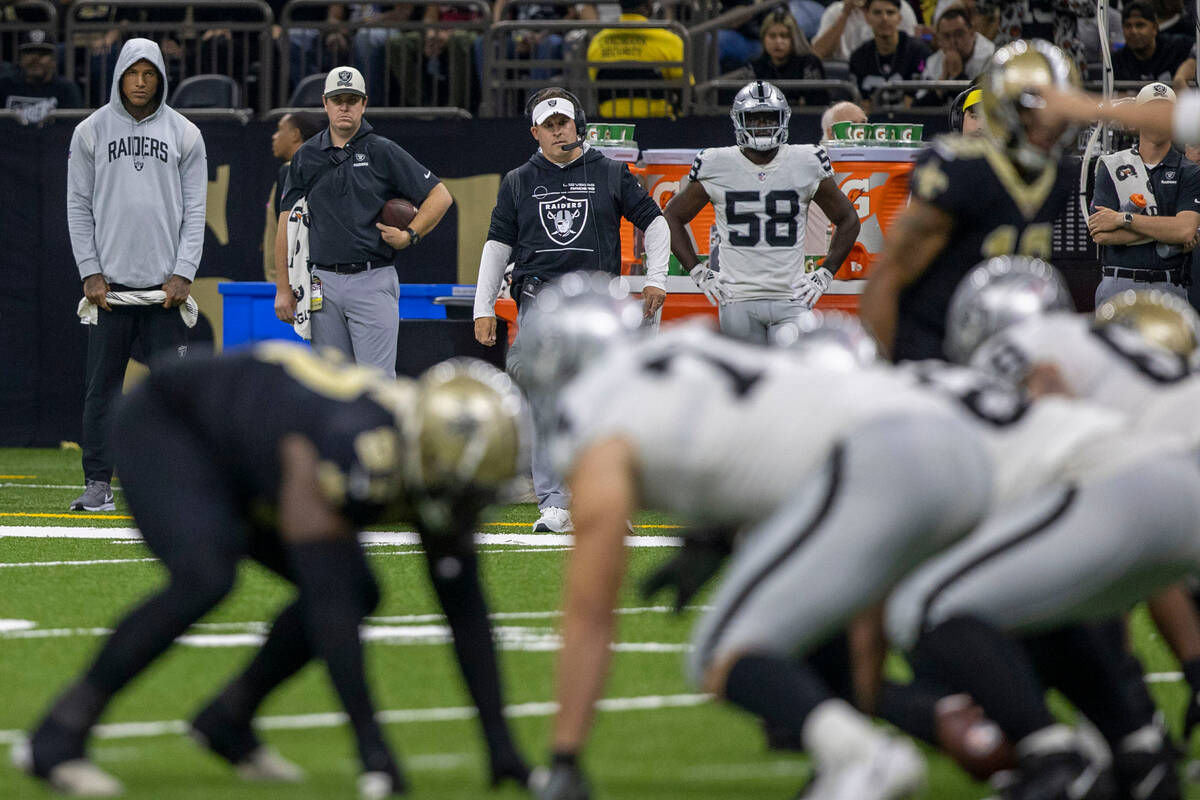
x: 564, y: 758
x: 413, y: 236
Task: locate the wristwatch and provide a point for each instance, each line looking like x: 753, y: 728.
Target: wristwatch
x: 414, y: 237
x: 1128, y: 223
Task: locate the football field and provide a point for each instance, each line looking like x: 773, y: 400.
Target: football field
x: 65, y: 577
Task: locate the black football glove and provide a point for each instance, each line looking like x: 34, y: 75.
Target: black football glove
x: 563, y: 780
x: 702, y: 554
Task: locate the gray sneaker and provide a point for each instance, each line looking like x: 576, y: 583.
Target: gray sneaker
x: 97, y: 496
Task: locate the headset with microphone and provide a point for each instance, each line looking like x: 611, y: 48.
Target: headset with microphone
x: 580, y: 115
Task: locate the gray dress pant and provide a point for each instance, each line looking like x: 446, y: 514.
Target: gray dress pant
x: 360, y: 316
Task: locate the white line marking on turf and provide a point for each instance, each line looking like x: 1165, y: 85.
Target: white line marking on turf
x: 16, y: 625
x: 1164, y: 677
x: 78, y: 563
x: 538, y: 540
x: 130, y: 730
x: 75, y: 486
x: 516, y: 615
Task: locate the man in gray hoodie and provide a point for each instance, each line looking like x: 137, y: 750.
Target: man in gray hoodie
x: 136, y: 183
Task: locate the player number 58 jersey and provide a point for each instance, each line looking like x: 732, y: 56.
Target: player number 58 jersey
x: 761, y: 212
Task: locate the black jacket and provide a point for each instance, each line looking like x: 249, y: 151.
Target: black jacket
x: 563, y: 219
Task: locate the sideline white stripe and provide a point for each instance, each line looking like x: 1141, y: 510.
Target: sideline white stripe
x: 76, y: 486
x: 538, y: 540
x: 130, y: 730
x: 516, y: 615
x: 78, y: 563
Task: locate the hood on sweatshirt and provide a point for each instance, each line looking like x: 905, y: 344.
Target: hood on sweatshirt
x: 133, y: 51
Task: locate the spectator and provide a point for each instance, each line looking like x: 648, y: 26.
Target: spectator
x: 434, y: 66
x: 962, y: 52
x: 634, y: 44
x: 737, y: 47
x: 38, y: 89
x: 844, y: 28
x: 1056, y: 21
x: 291, y: 131
x: 532, y: 43
x: 1147, y: 55
x: 787, y: 56
x: 137, y: 176
x: 891, y: 56
x: 807, y: 14
x: 1175, y: 18
x: 1143, y: 213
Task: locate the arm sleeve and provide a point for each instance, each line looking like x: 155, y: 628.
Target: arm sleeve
x: 1186, y: 121
x: 503, y: 227
x: 1105, y: 193
x: 636, y: 205
x: 658, y: 251
x: 409, y: 178
x: 1189, y: 192
x: 491, y: 274
x: 81, y: 181
x: 193, y: 177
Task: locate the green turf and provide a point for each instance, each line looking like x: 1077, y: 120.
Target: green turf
x: 695, y: 753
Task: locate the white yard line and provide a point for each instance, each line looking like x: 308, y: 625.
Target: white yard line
x: 535, y: 540
x: 130, y: 730
x: 88, y: 563
x: 77, y: 486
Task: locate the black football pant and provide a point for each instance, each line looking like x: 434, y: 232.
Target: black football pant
x: 158, y: 333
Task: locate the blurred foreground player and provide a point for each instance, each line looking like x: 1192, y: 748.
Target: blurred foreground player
x: 213, y: 478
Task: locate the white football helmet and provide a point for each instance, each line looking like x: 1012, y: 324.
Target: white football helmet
x: 760, y: 97
x: 829, y: 340
x: 572, y: 323
x: 997, y: 293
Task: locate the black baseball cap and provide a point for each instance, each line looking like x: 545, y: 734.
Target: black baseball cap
x: 36, y: 39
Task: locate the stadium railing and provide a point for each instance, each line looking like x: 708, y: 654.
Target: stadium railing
x: 389, y: 52
x: 509, y: 79
x: 911, y: 88
x: 705, y: 97
x: 73, y: 115
x: 414, y: 112
x: 228, y: 37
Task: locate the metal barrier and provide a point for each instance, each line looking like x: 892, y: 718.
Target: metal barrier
x: 74, y: 115
x: 705, y: 95
x: 384, y: 112
x: 196, y: 36
x: 386, y: 50
x: 507, y: 79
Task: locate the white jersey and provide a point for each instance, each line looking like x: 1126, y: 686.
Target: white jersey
x: 1033, y: 445
x: 1110, y: 366
x: 762, y: 215
x: 723, y: 430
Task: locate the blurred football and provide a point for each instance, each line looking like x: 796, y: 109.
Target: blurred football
x: 397, y: 212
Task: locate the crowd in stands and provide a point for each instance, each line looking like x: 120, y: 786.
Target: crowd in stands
x: 414, y: 54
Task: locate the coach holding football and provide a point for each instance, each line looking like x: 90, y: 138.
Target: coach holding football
x: 347, y: 172
x: 137, y: 175
x: 560, y: 212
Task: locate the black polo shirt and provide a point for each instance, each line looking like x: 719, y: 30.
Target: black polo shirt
x: 1176, y: 184
x: 1169, y: 53
x: 346, y: 187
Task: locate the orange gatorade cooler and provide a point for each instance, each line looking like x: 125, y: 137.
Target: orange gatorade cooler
x: 875, y: 179
x: 665, y: 170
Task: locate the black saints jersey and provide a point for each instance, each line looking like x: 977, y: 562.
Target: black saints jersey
x: 241, y: 405
x: 996, y: 212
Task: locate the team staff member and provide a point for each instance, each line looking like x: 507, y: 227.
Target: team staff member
x: 557, y: 213
x: 137, y: 178
x: 1145, y: 211
x: 348, y: 172
x: 291, y: 131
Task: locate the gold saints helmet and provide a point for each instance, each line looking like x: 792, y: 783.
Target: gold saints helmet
x: 1159, y: 317
x: 1009, y: 92
x: 467, y: 432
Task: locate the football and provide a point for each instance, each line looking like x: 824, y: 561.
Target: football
x: 397, y: 212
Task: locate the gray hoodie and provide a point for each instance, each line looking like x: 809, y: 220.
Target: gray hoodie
x: 136, y: 190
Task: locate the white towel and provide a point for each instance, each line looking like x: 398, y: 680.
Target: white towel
x: 89, y: 312
x: 299, y: 276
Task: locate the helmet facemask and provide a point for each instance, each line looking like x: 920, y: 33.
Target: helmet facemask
x: 760, y: 115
